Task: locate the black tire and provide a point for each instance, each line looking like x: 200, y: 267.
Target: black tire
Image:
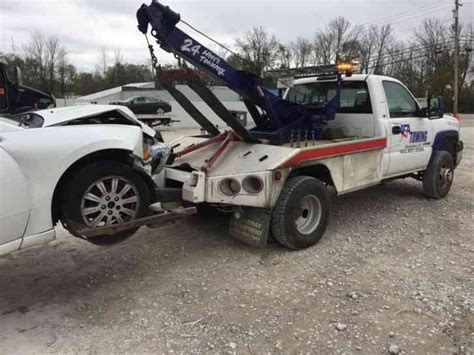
x: 82, y: 181
x: 438, y: 178
x: 284, y: 224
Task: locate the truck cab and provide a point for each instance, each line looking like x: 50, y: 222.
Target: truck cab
x: 380, y: 106
x: 16, y: 97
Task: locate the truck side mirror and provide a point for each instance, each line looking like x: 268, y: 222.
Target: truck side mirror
x: 17, y: 76
x: 435, y: 107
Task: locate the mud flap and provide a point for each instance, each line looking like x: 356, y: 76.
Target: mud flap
x: 253, y: 227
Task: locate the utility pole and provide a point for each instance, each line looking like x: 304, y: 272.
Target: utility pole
x: 456, y: 58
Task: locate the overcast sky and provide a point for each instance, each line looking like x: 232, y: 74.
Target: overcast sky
x: 83, y: 26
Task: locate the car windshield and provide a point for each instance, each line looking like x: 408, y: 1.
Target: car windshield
x: 28, y: 120
x: 355, y: 96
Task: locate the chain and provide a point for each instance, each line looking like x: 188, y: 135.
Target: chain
x: 154, y: 59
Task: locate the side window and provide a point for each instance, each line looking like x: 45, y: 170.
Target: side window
x: 355, y: 97
x: 400, y: 102
x: 139, y: 100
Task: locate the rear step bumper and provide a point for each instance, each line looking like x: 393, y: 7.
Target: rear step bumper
x: 155, y: 221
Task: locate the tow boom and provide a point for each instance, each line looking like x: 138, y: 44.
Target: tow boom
x: 280, y: 117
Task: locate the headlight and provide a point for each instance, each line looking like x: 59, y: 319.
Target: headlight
x: 156, y: 153
x: 252, y: 184
x: 229, y: 187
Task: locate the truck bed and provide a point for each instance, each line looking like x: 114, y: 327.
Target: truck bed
x: 240, y: 157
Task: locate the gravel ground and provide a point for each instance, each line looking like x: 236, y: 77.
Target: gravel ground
x: 393, y: 274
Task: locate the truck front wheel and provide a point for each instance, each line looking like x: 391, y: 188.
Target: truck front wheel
x: 301, y: 214
x: 438, y: 178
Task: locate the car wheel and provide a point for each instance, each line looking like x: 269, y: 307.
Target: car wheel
x: 301, y: 214
x: 104, y: 194
x: 438, y: 178
x: 160, y: 111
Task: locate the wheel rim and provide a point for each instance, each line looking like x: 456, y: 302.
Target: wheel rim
x: 446, y: 176
x: 160, y: 111
x: 308, y: 214
x: 109, y: 200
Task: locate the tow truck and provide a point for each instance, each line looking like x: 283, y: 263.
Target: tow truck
x: 331, y: 130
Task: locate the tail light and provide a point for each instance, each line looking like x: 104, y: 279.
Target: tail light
x: 252, y: 184
x: 229, y: 187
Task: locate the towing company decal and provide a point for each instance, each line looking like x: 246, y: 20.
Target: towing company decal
x: 204, y: 56
x: 412, y: 141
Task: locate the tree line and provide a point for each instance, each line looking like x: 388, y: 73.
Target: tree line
x: 46, y: 66
x: 424, y: 62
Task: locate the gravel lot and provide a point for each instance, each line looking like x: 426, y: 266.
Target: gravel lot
x: 394, y: 273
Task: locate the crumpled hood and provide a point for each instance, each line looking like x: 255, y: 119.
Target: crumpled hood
x: 58, y: 116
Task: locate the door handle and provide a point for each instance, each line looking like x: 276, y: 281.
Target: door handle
x: 396, y: 130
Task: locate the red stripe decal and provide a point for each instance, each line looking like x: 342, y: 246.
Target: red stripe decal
x: 333, y: 151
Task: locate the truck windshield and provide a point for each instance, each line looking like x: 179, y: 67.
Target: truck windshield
x: 355, y: 96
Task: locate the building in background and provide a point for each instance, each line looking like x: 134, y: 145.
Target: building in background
x: 228, y: 97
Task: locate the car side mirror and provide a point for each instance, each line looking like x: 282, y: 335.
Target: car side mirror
x: 17, y: 76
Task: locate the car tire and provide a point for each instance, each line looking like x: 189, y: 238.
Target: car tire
x: 105, y: 193
x: 301, y: 214
x: 438, y: 178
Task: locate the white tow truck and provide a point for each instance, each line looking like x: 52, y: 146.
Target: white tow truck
x: 330, y: 130
x: 380, y: 133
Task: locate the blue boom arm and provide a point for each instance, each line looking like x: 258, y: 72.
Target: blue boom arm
x: 283, y: 116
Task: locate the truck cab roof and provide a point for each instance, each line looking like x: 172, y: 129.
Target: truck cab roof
x: 354, y: 77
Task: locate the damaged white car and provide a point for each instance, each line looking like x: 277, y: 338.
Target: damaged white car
x: 85, y: 166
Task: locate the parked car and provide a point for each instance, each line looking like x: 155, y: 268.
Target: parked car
x: 145, y: 105
x: 85, y: 166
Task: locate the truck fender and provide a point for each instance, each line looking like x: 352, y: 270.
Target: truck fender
x: 439, y: 143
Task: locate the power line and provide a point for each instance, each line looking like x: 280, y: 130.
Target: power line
x: 409, y: 50
x: 390, y: 18
x: 397, y: 61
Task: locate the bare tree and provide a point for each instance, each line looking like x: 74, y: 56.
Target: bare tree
x: 62, y: 71
x: 53, y: 48
x: 103, y: 61
x: 259, y: 49
x: 382, y: 37
x: 36, y: 58
x: 302, y: 49
x: 284, y: 56
x: 337, y: 41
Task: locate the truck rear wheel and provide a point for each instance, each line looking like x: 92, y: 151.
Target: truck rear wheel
x: 105, y: 194
x: 438, y: 178
x: 301, y: 214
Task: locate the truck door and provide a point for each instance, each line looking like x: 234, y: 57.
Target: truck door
x: 3, y: 89
x: 14, y: 201
x: 410, y: 137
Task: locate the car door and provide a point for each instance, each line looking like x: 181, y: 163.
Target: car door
x: 410, y: 137
x: 14, y: 199
x: 139, y: 106
x: 151, y: 105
